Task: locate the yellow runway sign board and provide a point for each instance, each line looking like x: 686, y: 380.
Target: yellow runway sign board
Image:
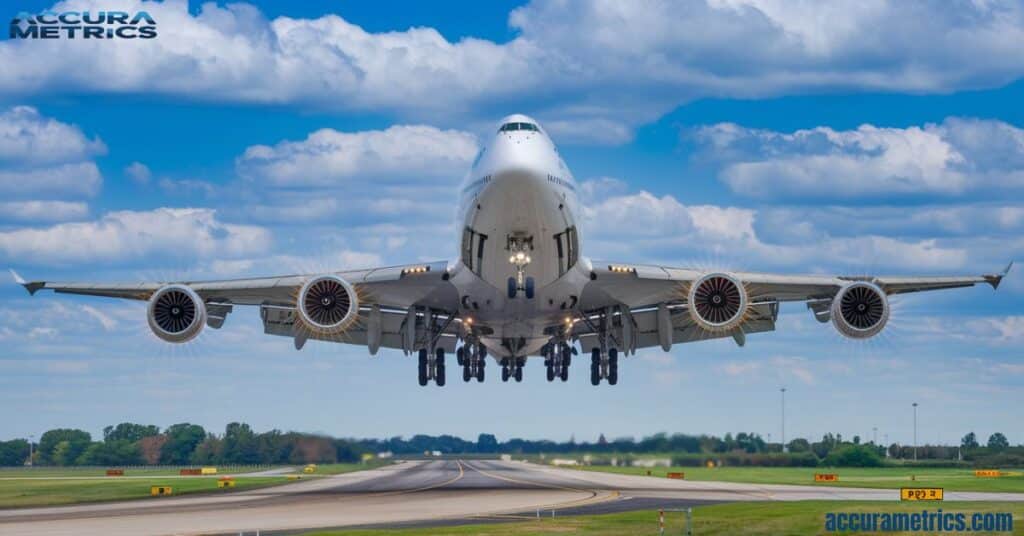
x: 988, y: 473
x: 157, y: 491
x: 826, y: 477
x: 920, y: 494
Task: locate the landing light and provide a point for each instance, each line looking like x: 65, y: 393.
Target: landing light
x: 416, y: 270
x: 622, y: 269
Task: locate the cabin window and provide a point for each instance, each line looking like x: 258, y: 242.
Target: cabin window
x: 473, y: 249
x: 567, y: 246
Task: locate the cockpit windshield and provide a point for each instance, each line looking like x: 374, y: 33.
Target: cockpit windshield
x: 518, y: 126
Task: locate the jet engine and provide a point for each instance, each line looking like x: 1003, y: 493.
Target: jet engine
x: 327, y: 304
x: 860, y: 310
x: 176, y: 313
x: 718, y: 302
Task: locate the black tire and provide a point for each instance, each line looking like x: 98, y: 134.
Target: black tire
x: 422, y: 367
x: 460, y: 356
x: 466, y: 374
x: 564, y: 373
x: 511, y: 288
x: 529, y: 288
x: 519, y: 374
x: 551, y: 373
x: 613, y: 356
x: 439, y: 375
x: 504, y: 373
x: 566, y: 355
x: 480, y: 373
x: 595, y: 376
x: 481, y: 352
x: 595, y: 357
x: 613, y: 374
x: 439, y: 357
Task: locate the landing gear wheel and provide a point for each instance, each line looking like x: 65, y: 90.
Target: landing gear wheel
x: 595, y: 357
x: 423, y: 367
x: 480, y: 371
x: 460, y: 356
x: 564, y: 373
x: 566, y: 356
x: 551, y: 373
x: 504, y: 373
x: 512, y: 288
x: 466, y: 373
x: 519, y: 373
x: 439, y: 367
x: 613, y: 356
x: 613, y: 373
x: 595, y: 374
x: 529, y: 288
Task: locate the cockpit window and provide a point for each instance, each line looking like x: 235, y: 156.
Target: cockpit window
x: 518, y: 126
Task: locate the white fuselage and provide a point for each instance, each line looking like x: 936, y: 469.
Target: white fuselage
x: 518, y: 197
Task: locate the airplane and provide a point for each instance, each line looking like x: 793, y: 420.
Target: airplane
x: 521, y: 287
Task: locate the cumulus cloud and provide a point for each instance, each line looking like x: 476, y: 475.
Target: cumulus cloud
x: 952, y: 158
x: 329, y: 157
x: 138, y: 172
x: 609, y: 65
x: 43, y: 211
x: 662, y: 229
x: 165, y: 233
x: 43, y: 157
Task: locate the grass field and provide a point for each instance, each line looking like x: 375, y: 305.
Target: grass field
x: 50, y: 486
x: 773, y: 518
x: 875, y: 477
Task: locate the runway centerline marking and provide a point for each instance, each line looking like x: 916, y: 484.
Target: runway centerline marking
x: 593, y: 493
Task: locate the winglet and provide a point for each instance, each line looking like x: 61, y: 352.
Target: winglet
x: 32, y: 287
x: 995, y: 279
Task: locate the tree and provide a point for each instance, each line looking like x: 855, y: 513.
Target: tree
x: 486, y: 443
x: 13, y: 453
x: 150, y: 448
x: 77, y: 442
x: 182, y: 440
x: 998, y: 441
x: 969, y: 441
x: 240, y: 444
x: 117, y: 452
x: 799, y: 445
x: 853, y: 456
x: 128, y: 431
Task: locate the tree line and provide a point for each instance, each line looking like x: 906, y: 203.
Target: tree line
x: 191, y: 444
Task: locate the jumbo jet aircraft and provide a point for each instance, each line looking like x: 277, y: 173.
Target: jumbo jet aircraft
x: 521, y: 287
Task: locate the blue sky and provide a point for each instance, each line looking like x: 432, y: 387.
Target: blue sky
x: 254, y: 139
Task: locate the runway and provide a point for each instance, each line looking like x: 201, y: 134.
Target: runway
x: 417, y: 493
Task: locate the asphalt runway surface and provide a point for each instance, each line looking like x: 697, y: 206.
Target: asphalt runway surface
x: 418, y: 493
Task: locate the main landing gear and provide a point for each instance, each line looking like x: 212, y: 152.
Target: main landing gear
x: 604, y: 367
x: 473, y: 359
x: 512, y: 367
x: 557, y: 358
x: 431, y: 367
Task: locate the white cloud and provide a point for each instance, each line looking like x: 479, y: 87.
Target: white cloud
x: 43, y: 211
x: 598, y: 68
x: 329, y: 157
x: 165, y: 233
x: 105, y: 320
x: 138, y: 172
x: 28, y: 138
x: 947, y: 159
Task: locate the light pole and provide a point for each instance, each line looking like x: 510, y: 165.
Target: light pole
x: 31, y: 439
x: 915, y: 431
x: 783, y: 391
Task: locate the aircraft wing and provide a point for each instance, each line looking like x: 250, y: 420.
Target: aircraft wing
x: 393, y: 291
x: 635, y: 293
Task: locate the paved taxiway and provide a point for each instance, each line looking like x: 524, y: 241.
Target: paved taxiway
x: 420, y: 492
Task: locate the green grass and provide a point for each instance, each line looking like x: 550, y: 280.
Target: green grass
x: 66, y: 472
x: 51, y: 492
x: 774, y: 518
x: 875, y: 477
x: 339, y: 468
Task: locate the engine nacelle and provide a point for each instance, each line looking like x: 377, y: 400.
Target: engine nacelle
x: 327, y: 304
x: 717, y: 302
x: 860, y: 310
x: 176, y: 313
